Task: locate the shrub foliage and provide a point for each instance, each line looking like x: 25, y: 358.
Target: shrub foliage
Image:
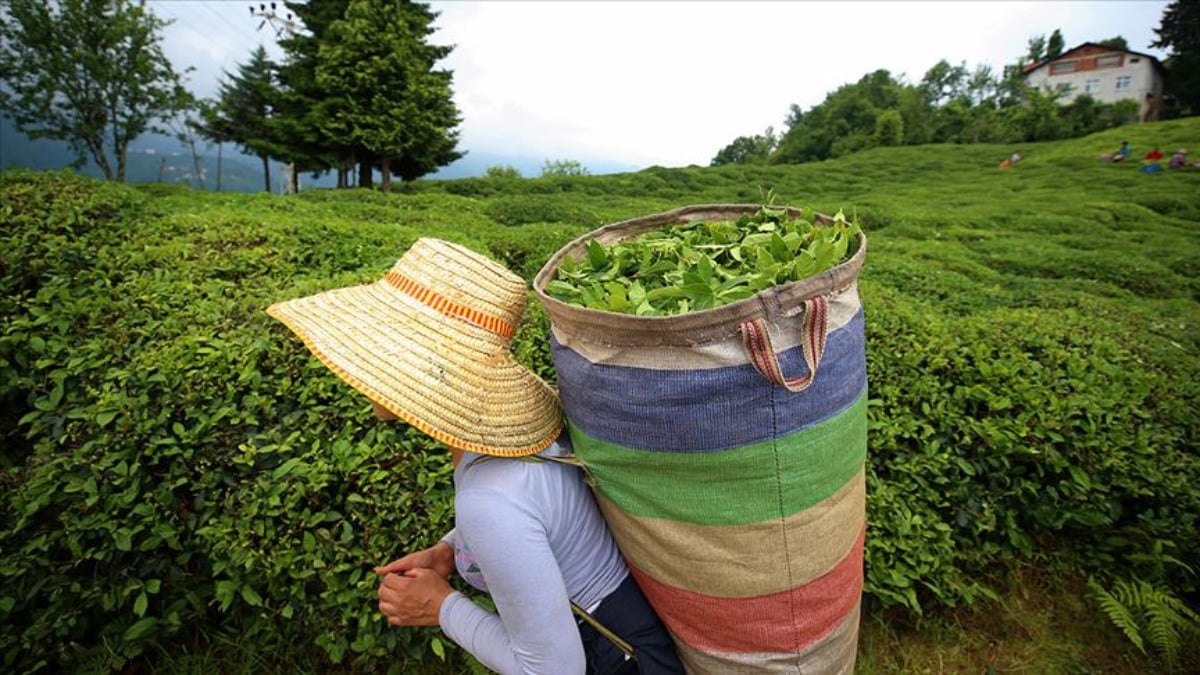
x: 177, y: 467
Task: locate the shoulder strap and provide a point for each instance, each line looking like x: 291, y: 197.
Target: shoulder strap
x: 570, y: 460
x: 612, y: 637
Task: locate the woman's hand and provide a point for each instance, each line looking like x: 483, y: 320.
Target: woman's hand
x: 439, y: 558
x: 413, y: 598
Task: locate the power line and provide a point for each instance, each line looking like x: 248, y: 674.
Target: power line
x: 240, y: 30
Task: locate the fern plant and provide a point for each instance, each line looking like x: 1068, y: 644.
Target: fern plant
x: 1147, y: 614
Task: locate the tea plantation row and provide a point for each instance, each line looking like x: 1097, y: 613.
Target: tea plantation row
x: 177, y: 468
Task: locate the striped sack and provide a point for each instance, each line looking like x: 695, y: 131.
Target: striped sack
x: 727, y: 448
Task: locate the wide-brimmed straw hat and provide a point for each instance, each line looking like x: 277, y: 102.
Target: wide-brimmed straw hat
x: 430, y: 343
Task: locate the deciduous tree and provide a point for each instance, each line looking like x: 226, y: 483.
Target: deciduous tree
x: 88, y: 72
x: 748, y: 149
x: 564, y: 167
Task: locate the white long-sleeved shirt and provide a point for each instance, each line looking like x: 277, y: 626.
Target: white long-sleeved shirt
x: 530, y: 535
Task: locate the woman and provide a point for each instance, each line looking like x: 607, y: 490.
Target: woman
x: 429, y: 344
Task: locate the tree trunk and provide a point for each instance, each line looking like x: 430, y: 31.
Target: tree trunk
x: 266, y: 172
x: 122, y: 154
x: 385, y: 183
x: 196, y: 168
x: 293, y: 179
x: 100, y: 158
x: 220, y: 147
x: 364, y: 174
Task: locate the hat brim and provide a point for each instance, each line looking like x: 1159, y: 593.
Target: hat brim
x: 444, y: 375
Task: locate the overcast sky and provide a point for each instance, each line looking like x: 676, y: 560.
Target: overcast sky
x: 671, y: 83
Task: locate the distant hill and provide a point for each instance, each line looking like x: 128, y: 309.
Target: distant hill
x: 155, y: 158
x: 475, y: 164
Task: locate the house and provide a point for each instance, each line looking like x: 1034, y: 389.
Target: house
x: 1107, y: 74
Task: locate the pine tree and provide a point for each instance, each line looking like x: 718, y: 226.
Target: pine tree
x: 1055, y: 45
x: 305, y: 123
x: 244, y: 108
x: 1179, y: 31
x: 377, y: 64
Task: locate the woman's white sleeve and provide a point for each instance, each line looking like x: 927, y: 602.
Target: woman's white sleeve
x: 535, y: 631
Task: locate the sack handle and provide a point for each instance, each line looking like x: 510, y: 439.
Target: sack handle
x: 757, y: 341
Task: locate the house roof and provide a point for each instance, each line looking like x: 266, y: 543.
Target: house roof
x: 1073, y: 51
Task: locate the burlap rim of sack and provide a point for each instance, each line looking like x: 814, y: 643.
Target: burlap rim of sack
x: 693, y: 328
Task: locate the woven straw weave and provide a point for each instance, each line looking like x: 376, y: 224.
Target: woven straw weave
x: 430, y: 342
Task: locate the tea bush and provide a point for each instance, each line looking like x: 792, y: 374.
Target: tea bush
x: 184, y: 463
x: 521, y: 210
x: 1014, y: 432
x: 177, y: 469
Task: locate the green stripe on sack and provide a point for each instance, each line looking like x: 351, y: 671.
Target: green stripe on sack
x: 748, y: 484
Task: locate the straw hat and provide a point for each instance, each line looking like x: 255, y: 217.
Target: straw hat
x: 430, y: 342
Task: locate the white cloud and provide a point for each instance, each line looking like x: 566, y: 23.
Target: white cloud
x: 673, y: 82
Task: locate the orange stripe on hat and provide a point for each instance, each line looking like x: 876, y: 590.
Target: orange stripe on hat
x: 448, y: 307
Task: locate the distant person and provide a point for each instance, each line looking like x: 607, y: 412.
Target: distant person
x: 1011, y: 160
x: 1154, y: 155
x: 1122, y: 152
x: 1178, y: 160
x: 1117, y: 155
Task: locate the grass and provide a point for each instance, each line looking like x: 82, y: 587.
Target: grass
x: 1041, y: 623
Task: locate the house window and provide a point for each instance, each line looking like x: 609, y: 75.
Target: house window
x: 1109, y: 61
x: 1124, y: 82
x: 1091, y: 87
x: 1062, y: 67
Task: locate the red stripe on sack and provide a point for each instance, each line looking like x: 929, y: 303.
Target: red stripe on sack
x: 760, y: 624
x: 444, y: 305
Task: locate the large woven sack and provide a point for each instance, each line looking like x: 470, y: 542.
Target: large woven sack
x: 727, y: 447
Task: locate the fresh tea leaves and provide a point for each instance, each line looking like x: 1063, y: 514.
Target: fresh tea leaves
x: 699, y: 265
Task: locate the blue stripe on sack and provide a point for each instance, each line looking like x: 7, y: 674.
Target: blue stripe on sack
x: 708, y: 410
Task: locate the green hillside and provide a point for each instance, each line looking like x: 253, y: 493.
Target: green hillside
x: 179, y: 471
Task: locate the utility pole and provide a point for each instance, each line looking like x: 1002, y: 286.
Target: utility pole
x: 282, y: 25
